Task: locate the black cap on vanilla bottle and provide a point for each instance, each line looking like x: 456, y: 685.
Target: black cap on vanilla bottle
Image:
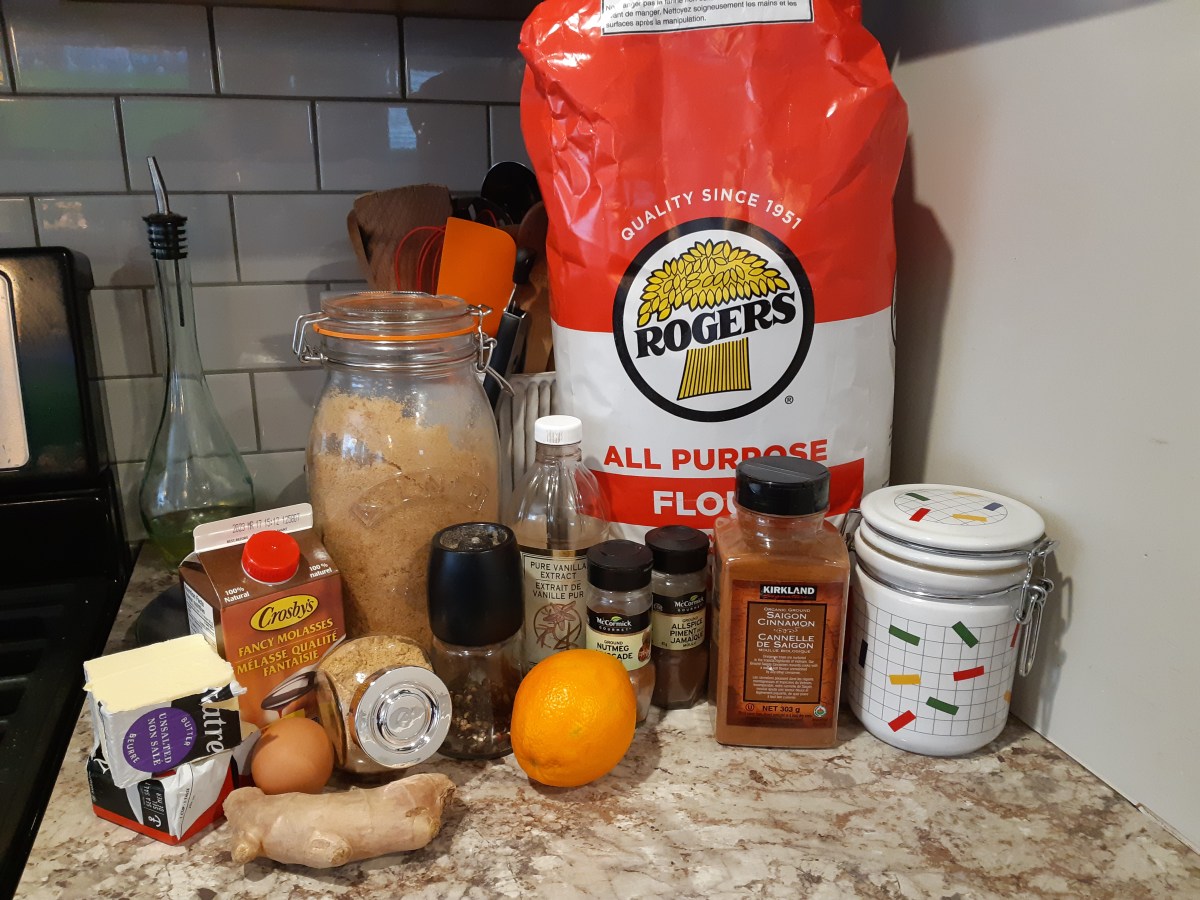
x: 782, y: 486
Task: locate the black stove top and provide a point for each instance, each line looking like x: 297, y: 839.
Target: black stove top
x: 47, y: 629
x: 64, y: 563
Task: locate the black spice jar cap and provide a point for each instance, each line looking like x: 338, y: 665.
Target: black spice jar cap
x: 782, y: 486
x: 474, y: 586
x: 678, y: 549
x: 619, y: 565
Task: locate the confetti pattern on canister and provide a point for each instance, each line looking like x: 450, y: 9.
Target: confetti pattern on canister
x: 905, y: 718
x: 906, y: 636
x: 966, y: 634
x: 945, y: 707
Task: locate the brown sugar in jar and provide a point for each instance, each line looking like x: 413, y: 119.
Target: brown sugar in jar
x: 782, y: 578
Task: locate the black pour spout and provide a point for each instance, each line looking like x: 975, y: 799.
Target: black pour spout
x: 167, y: 230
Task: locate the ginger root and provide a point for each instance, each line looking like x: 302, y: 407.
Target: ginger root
x: 327, y: 830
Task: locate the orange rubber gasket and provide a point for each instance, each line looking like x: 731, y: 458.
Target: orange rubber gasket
x: 393, y: 337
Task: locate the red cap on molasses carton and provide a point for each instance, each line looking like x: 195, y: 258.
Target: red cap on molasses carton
x: 263, y: 590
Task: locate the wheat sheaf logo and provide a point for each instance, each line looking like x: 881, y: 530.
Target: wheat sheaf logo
x: 710, y: 274
x: 713, y: 319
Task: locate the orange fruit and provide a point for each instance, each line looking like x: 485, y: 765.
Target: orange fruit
x: 573, y: 718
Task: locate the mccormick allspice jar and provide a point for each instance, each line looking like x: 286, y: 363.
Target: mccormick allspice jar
x: 679, y: 615
x: 782, y: 579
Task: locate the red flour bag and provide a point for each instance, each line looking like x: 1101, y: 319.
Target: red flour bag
x: 718, y: 178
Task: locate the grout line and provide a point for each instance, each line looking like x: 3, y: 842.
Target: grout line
x: 316, y: 139
x: 264, y: 370
x: 282, y: 98
x: 149, y: 285
x: 10, y: 53
x: 121, y: 144
x: 37, y: 231
x: 402, y: 73
x: 258, y: 435
x: 237, y: 258
x: 491, y: 135
x: 212, y: 52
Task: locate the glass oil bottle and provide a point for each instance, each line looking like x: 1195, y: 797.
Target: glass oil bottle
x: 194, y: 473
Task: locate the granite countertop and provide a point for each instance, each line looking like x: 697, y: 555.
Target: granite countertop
x: 681, y: 816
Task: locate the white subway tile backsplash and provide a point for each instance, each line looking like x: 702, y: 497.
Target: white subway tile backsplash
x: 220, y: 144
x: 134, y: 407
x: 370, y: 146
x: 278, y: 479
x: 16, y: 223
x: 297, y: 237
x: 285, y: 407
x: 121, y: 333
x: 234, y: 401
x: 110, y: 231
x: 455, y: 59
x: 59, y: 144
x: 307, y: 54
x: 507, y: 141
x: 64, y: 46
x: 250, y: 326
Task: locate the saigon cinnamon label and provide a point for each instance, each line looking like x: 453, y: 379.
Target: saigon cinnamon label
x: 783, y: 653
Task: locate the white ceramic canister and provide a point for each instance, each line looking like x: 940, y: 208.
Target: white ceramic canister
x: 947, y: 592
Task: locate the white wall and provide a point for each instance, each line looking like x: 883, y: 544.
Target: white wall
x: 1048, y: 319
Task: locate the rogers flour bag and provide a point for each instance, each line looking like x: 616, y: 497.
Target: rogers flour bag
x: 718, y: 178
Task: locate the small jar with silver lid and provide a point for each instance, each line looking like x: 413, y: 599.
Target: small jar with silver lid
x: 381, y: 704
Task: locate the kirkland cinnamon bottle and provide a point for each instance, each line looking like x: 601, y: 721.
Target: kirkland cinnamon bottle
x: 782, y: 576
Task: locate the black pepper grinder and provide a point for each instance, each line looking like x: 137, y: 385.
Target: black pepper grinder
x: 475, y: 613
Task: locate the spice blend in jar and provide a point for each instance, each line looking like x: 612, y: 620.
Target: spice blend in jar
x: 679, y: 615
x: 381, y: 704
x: 782, y: 580
x: 475, y: 610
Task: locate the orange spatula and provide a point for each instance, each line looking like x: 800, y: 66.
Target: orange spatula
x: 477, y: 265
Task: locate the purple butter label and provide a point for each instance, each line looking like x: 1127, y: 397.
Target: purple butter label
x: 160, y: 740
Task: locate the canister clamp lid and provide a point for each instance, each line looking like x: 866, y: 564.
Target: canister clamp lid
x: 944, y: 517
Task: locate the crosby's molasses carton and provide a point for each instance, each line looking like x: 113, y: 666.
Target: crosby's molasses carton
x: 263, y: 590
x: 718, y: 179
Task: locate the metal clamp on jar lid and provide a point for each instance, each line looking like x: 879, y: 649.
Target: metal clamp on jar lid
x: 945, y: 542
x: 394, y: 330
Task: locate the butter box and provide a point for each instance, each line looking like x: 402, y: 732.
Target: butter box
x: 272, y: 621
x: 175, y: 805
x: 156, y: 707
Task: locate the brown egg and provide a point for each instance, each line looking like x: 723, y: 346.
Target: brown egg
x: 293, y: 755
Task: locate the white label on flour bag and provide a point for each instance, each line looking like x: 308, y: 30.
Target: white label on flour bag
x: 720, y: 243
x: 647, y: 16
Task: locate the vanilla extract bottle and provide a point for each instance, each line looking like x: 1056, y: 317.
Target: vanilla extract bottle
x: 557, y: 514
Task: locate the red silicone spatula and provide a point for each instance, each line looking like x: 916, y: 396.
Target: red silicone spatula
x: 477, y: 265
